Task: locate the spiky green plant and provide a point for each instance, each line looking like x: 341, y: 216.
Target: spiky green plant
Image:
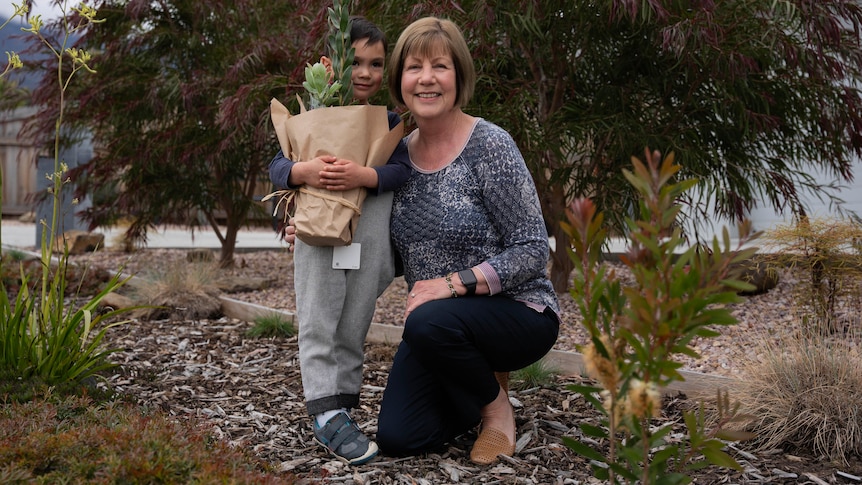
x: 46, y: 338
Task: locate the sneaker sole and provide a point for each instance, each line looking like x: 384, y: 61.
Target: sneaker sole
x: 365, y: 458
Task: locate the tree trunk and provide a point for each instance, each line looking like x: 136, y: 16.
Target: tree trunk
x: 228, y: 245
x: 554, y: 208
x: 561, y: 263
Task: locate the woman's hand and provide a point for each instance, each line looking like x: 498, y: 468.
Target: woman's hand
x: 288, y: 233
x: 425, y: 291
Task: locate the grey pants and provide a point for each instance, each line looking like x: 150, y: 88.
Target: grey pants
x: 334, y: 308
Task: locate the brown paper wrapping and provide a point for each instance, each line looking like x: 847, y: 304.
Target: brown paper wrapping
x: 360, y: 133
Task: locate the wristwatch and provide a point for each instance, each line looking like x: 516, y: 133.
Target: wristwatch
x: 468, y: 279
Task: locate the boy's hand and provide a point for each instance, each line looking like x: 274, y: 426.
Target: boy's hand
x: 308, y: 172
x: 345, y: 175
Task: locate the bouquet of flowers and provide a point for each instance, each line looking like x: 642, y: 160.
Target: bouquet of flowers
x: 331, y: 126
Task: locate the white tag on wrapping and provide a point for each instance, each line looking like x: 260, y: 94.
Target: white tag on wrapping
x: 346, y: 257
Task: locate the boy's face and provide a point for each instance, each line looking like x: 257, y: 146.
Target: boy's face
x: 368, y: 62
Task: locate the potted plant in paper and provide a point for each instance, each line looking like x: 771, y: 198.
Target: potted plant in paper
x: 331, y: 126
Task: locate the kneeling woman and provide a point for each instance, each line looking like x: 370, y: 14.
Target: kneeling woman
x: 469, y: 228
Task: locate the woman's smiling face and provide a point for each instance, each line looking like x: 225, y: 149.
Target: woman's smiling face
x: 429, y: 84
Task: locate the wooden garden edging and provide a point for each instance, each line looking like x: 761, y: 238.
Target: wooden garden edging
x: 696, y: 385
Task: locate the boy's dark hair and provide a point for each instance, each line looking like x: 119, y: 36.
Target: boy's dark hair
x: 362, y: 28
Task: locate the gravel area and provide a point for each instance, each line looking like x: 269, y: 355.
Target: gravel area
x: 765, y: 316
x: 249, y: 391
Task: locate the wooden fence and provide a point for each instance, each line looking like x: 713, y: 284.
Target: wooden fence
x: 21, y: 180
x: 18, y: 164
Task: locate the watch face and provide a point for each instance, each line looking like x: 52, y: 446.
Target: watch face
x: 468, y: 279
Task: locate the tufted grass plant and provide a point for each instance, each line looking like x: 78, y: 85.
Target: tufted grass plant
x: 804, y: 390
x: 181, y: 291
x: 537, y: 374
x: 272, y: 325
x: 195, y: 278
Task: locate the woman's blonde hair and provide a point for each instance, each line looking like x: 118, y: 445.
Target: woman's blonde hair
x: 427, y: 37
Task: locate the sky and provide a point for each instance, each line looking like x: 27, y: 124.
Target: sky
x: 46, y: 8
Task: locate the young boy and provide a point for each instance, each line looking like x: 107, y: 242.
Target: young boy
x: 335, y: 307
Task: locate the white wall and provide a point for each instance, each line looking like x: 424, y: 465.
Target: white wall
x: 765, y: 218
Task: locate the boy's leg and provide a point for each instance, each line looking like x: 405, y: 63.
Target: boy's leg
x: 364, y: 285
x: 320, y: 292
x: 342, y: 301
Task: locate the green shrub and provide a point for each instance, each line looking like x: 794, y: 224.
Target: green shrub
x: 635, y: 330
x: 75, y: 440
x: 43, y: 341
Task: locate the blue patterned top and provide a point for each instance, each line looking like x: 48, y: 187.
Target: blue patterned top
x: 481, y: 209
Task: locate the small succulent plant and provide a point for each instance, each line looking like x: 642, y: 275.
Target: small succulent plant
x: 320, y: 92
x: 339, y: 91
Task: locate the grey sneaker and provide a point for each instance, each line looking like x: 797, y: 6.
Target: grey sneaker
x: 342, y: 437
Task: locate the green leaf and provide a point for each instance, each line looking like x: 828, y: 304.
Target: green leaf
x: 708, y: 332
x: 720, y: 458
x: 632, y: 475
x: 665, y: 454
x: 734, y: 435
x: 673, y: 479
x: 593, y: 431
x: 633, y: 455
x: 583, y: 449
x: 582, y: 389
x: 600, y: 472
x: 642, y: 186
x: 661, y: 432
x: 738, y: 285
x: 690, y: 420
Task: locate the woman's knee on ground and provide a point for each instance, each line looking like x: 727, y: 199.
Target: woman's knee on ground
x: 430, y: 326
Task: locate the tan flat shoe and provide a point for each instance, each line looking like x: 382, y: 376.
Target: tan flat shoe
x: 491, y: 443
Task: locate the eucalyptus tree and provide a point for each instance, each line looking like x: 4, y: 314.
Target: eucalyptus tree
x: 178, y: 107
x: 751, y: 95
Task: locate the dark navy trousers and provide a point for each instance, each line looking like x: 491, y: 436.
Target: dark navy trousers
x: 443, y: 372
